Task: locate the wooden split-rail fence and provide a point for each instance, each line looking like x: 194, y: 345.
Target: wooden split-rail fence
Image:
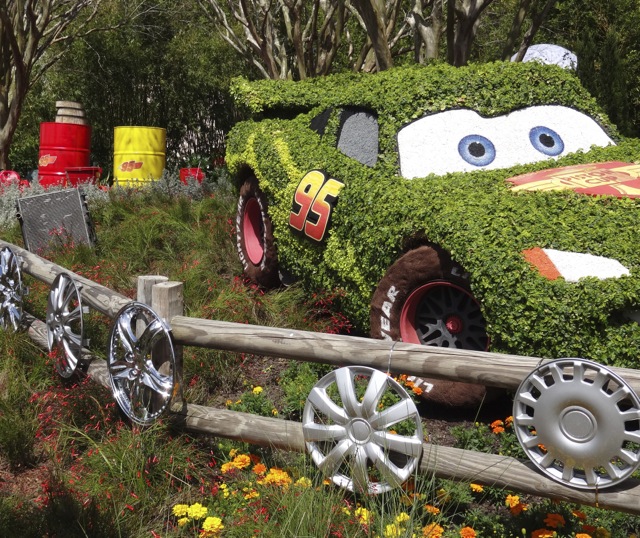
x: 490, y: 369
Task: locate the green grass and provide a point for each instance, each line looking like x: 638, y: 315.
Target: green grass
x: 76, y: 469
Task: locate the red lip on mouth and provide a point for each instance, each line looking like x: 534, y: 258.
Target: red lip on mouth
x: 613, y: 178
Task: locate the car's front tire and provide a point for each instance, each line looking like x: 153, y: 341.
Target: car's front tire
x: 425, y: 299
x: 254, y: 236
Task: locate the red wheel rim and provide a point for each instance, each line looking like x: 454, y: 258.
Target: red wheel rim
x: 252, y: 231
x: 443, y: 314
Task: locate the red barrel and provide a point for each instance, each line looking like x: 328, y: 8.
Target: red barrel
x: 62, y: 146
x: 195, y: 173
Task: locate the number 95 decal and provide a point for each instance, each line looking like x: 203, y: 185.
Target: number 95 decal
x: 313, y: 203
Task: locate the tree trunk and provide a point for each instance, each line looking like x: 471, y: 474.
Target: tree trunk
x: 372, y: 13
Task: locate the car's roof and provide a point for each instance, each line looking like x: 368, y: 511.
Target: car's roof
x: 407, y: 93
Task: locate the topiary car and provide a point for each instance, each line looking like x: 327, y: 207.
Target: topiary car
x: 486, y: 207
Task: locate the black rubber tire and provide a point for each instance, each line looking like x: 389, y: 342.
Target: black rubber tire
x: 413, y: 270
x: 254, y: 236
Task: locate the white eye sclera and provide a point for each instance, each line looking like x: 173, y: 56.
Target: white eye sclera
x: 463, y: 141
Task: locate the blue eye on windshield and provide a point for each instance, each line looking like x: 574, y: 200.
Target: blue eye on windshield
x: 477, y: 150
x: 546, y: 141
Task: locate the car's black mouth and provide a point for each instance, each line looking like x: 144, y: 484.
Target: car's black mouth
x: 633, y: 315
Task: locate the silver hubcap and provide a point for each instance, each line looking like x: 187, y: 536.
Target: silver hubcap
x: 579, y: 423
x: 11, y: 290
x: 141, y: 362
x: 65, y: 327
x: 362, y: 429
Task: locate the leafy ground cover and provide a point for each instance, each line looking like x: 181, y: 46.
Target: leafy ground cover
x: 70, y: 466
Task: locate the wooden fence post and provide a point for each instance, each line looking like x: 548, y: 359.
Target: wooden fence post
x: 167, y: 300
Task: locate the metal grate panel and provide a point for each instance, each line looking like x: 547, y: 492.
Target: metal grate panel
x: 54, y: 219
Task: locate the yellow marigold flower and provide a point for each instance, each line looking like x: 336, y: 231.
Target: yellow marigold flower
x: 346, y: 511
x: 228, y: 403
x: 363, y: 515
x: 242, y: 461
x: 512, y: 500
x: 226, y: 467
x: 197, y: 511
x: 303, y: 482
x: 180, y: 510
x: 212, y: 526
x: 477, y: 488
x: 443, y: 496
x: 257, y: 390
x: 274, y: 412
x: 432, y: 509
x: 392, y: 531
x: 432, y: 530
x: 233, y: 453
x: 183, y: 521
x: 402, y: 517
x: 601, y: 532
x: 251, y: 494
x: 467, y: 532
x: 554, y: 521
x: 543, y: 533
x: 276, y: 477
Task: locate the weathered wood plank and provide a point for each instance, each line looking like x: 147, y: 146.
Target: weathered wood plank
x: 492, y: 369
x: 94, y: 295
x: 443, y: 462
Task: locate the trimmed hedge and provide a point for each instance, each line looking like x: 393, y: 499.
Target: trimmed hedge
x: 474, y: 216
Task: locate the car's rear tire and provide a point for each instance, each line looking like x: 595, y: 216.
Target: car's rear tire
x: 254, y: 236
x: 425, y: 299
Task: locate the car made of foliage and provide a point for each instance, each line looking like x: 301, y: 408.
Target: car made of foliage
x: 488, y: 207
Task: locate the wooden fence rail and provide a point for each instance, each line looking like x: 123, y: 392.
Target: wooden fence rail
x: 506, y: 371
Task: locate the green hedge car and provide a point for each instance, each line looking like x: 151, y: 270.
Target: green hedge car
x: 486, y: 207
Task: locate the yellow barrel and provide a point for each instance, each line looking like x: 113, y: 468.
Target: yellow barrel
x: 138, y: 154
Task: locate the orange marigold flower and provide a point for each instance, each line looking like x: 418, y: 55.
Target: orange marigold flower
x: 518, y: 509
x: 476, y: 488
x: 580, y: 515
x: 497, y: 429
x: 259, y: 469
x: 432, y: 509
x: 416, y: 390
x: 432, y: 530
x: 508, y: 422
x: 542, y: 533
x: 554, y: 521
x: 496, y: 423
x: 582, y: 535
x: 467, y: 532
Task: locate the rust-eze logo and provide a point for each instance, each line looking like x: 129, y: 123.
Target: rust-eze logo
x: 46, y: 160
x: 130, y: 166
x: 613, y: 178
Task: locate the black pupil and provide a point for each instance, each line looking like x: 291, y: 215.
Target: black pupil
x: 477, y: 149
x: 547, y: 140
